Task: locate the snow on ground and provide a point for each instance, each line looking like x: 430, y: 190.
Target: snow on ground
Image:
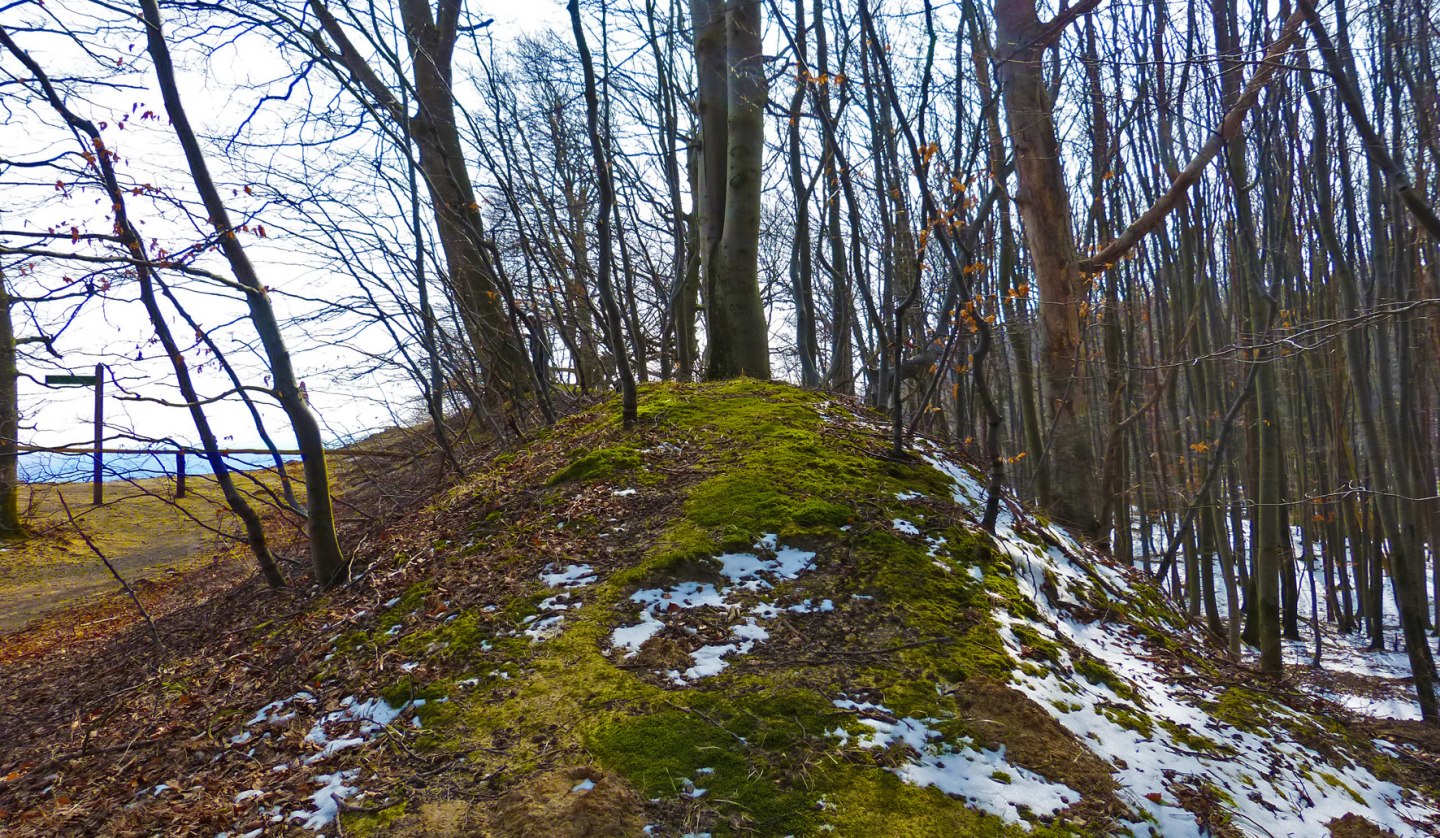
x: 983, y: 778
x: 573, y: 576
x: 758, y: 571
x: 326, y: 801
x: 355, y: 723
x: 1271, y: 783
x: 1387, y: 692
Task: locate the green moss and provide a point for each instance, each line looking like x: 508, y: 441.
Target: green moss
x: 1340, y: 784
x: 599, y: 464
x: 1243, y: 709
x: 367, y: 824
x: 1097, y: 672
x: 454, y: 640
x: 1040, y: 646
x: 1189, y: 739
x: 1129, y: 718
x: 410, y: 602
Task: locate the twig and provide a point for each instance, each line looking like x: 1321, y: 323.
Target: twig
x: 57, y: 759
x: 154, y: 632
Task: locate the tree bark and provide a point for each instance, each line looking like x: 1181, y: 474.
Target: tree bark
x: 731, y: 102
x: 10, y: 524
x: 1044, y: 205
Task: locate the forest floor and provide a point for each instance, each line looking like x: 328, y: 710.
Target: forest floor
x: 744, y: 617
x: 140, y: 528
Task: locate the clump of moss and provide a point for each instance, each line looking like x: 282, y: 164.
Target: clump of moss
x: 599, y: 464
x: 1035, y: 643
x: 1243, y: 709
x: 409, y: 603
x: 1098, y: 673
x: 366, y: 824
x: 1129, y: 718
x: 1189, y: 739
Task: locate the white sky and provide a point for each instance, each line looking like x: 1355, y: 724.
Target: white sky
x: 115, y: 330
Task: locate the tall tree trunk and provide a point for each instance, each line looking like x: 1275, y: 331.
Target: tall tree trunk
x: 10, y: 524
x: 474, y: 279
x: 732, y: 95
x: 1044, y: 205
x: 602, y: 228
x: 325, y: 555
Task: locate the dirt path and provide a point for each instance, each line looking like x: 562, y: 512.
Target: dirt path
x: 140, y: 532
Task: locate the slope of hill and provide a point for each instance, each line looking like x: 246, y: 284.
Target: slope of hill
x: 742, y: 617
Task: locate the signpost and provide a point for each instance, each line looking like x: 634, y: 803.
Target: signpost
x: 98, y: 382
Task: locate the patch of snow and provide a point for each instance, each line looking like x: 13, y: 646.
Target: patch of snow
x: 326, y: 801
x: 709, y: 660
x: 272, y: 713
x: 557, y: 603
x: 903, y: 526
x: 363, y: 720
x: 683, y: 595
x: 624, y: 493
x: 583, y: 786
x: 750, y: 630
x: 631, y: 638
x: 983, y: 778
x: 783, y: 563
x: 249, y: 794
x: 573, y: 576
x: 545, y: 629
x: 908, y: 495
x: 1400, y: 709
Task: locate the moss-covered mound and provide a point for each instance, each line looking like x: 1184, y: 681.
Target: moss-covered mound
x: 743, y: 617
x: 752, y: 620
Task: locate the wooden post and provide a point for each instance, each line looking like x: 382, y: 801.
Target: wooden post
x: 99, y: 477
x: 179, y: 475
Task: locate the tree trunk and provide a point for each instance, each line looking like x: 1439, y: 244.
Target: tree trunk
x: 1044, y: 206
x: 10, y: 524
x: 325, y: 554
x: 731, y: 102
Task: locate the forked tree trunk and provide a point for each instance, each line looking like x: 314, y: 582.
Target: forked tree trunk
x: 1044, y: 205
x: 732, y: 95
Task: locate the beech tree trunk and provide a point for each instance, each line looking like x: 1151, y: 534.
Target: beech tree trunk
x: 731, y: 103
x: 10, y: 524
x: 474, y: 280
x: 325, y: 554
